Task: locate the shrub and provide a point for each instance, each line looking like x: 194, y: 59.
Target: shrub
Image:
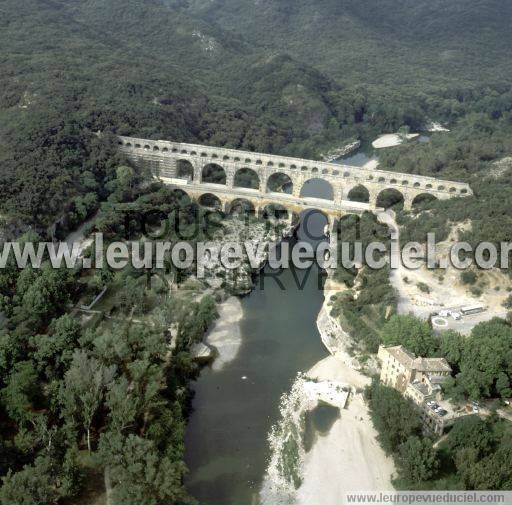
x: 424, y: 288
x: 468, y: 277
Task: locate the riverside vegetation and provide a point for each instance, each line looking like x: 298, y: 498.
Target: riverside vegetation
x: 87, y: 403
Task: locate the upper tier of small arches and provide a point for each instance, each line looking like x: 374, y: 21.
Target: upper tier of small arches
x: 376, y: 176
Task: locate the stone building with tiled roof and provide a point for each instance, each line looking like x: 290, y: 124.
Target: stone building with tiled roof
x: 401, y: 369
x: 419, y: 379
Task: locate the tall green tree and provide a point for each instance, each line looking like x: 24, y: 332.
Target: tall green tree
x: 33, y: 485
x: 83, y: 389
x: 486, y: 363
x: 418, y: 460
x: 139, y: 474
x: 395, y: 417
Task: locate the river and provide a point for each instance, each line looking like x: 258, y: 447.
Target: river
x: 235, y: 407
x: 363, y: 155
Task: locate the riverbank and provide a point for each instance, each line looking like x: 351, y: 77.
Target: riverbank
x: 349, y: 457
x: 225, y: 336
x: 393, y: 140
x: 333, y: 336
x: 344, y: 150
x: 346, y: 458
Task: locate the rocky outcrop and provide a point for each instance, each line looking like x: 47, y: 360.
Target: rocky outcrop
x: 334, y: 154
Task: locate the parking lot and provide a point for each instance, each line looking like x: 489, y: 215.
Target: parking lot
x: 443, y: 320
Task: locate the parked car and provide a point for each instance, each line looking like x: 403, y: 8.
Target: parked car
x: 442, y: 412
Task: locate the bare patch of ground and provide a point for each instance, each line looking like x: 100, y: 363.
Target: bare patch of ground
x: 425, y: 291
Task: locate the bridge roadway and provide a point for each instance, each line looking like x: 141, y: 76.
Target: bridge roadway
x: 170, y: 160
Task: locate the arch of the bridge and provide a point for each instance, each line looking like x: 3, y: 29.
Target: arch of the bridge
x: 390, y: 197
x: 214, y: 173
x: 210, y: 200
x: 179, y: 195
x: 185, y: 169
x: 423, y: 198
x: 275, y: 210
x: 323, y: 189
x: 240, y: 206
x: 356, y: 193
x: 246, y: 178
x: 314, y: 210
x: 280, y: 182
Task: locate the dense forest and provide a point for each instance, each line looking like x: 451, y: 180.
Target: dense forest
x: 228, y: 74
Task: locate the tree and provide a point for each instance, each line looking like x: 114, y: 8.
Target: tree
x: 34, y: 485
x: 83, y: 389
x: 53, y: 351
x: 409, y: 331
x: 468, y: 277
x: 206, y: 313
x: 395, y: 418
x: 139, y: 474
x: 403, y: 131
x: 452, y: 347
x: 508, y: 302
x: 486, y: 363
x: 493, y: 472
x: 125, y: 176
x: 147, y: 379
x: 194, y: 323
x: 122, y: 405
x: 102, y: 277
x: 11, y: 351
x: 44, y: 295
x: 131, y: 295
x: 503, y: 385
x: 22, y: 392
x: 470, y: 432
x: 417, y: 460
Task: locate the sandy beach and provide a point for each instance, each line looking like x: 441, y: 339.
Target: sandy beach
x: 392, y: 140
x: 371, y: 165
x: 225, y: 335
x: 349, y: 457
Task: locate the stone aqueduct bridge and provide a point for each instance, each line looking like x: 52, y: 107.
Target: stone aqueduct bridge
x: 163, y: 158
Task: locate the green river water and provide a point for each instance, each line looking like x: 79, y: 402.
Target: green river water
x: 226, y: 440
